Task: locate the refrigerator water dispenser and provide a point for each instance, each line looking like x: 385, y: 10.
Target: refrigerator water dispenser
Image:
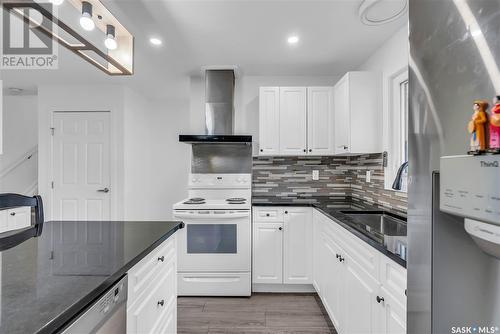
x: 470, y: 188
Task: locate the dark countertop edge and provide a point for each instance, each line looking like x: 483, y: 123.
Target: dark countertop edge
x: 358, y: 234
x: 58, y: 324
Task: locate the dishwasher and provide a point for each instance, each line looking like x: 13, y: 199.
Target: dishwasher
x: 107, y: 315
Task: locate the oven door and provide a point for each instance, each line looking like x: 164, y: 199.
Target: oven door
x: 214, y: 240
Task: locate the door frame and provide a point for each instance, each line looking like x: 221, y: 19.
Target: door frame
x: 113, y: 163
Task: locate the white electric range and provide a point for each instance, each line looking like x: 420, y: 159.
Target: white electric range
x: 214, y: 250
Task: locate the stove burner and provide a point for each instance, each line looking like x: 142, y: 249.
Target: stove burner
x: 196, y: 200
x: 236, y: 199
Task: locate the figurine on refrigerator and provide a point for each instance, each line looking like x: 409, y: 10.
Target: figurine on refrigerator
x: 477, y: 128
x: 495, y: 126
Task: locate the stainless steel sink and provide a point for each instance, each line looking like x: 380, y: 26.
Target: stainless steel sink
x: 384, y: 226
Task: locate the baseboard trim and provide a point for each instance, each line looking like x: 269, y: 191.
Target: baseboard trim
x: 283, y: 288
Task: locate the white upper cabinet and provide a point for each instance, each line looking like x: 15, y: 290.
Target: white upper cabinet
x: 296, y: 121
x: 292, y: 129
x: 269, y: 118
x: 320, y: 121
x: 358, y: 113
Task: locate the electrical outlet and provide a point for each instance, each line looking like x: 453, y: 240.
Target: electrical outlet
x: 368, y: 176
x: 315, y: 175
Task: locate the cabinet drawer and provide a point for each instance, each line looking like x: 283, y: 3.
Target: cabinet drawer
x: 208, y: 284
x: 147, y: 314
x: 393, y: 278
x: 365, y: 255
x: 268, y: 214
x: 143, y: 274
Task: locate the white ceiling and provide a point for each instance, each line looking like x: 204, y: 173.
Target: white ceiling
x: 249, y: 33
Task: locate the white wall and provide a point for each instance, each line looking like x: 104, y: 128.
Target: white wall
x: 390, y: 59
x: 150, y: 165
x: 156, y: 164
x: 20, y: 135
x: 247, y: 100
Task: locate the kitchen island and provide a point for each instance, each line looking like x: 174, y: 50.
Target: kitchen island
x: 49, y: 280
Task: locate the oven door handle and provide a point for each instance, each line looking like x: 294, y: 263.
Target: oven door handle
x: 218, y: 216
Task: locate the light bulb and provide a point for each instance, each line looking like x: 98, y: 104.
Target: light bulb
x: 110, y: 43
x: 86, y: 22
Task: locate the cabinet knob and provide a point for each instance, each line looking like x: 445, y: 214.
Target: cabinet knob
x: 310, y: 150
x: 305, y: 150
x: 161, y: 258
x: 337, y: 256
x: 261, y: 150
x: 12, y: 213
x: 380, y: 299
x: 267, y: 215
x: 280, y: 228
x: 286, y: 212
x: 161, y: 303
x: 341, y: 259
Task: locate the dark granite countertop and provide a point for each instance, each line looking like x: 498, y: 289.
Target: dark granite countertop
x: 46, y: 281
x: 333, y: 207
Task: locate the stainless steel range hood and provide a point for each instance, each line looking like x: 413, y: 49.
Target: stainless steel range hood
x: 219, y: 110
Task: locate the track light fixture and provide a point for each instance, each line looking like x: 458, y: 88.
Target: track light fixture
x: 86, y: 19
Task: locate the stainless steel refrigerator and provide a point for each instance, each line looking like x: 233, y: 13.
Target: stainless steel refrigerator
x: 454, y: 59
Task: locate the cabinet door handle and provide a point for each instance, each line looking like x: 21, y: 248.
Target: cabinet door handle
x: 161, y: 258
x: 161, y: 303
x: 343, y: 146
x: 337, y: 256
x: 105, y: 190
x: 380, y: 299
x: 12, y: 213
x: 280, y: 228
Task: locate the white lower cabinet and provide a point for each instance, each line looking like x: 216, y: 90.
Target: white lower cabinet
x: 14, y: 219
x: 357, y: 300
x: 268, y: 252
x: 152, y: 292
x: 282, y: 245
x: 297, y: 246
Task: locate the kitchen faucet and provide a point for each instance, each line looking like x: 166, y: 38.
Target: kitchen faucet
x: 399, y: 177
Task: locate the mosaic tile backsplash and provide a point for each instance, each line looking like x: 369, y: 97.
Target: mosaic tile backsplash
x: 339, y: 177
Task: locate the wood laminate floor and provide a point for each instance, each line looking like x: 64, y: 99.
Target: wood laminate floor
x: 259, y: 314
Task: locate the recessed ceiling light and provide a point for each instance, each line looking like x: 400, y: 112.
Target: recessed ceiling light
x: 57, y: 2
x: 155, y: 41
x: 293, y: 39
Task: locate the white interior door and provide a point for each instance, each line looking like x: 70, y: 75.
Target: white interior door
x: 81, y: 166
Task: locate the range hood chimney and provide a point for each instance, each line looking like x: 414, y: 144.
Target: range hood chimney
x: 219, y: 110
x: 219, y: 102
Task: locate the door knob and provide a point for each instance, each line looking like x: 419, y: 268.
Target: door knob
x: 105, y: 190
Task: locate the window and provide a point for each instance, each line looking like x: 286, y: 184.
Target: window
x: 397, y: 125
x: 403, y: 110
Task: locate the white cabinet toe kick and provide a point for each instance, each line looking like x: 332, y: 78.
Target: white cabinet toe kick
x: 214, y: 284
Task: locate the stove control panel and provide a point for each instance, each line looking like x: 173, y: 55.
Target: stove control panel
x: 470, y: 187
x: 220, y: 180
